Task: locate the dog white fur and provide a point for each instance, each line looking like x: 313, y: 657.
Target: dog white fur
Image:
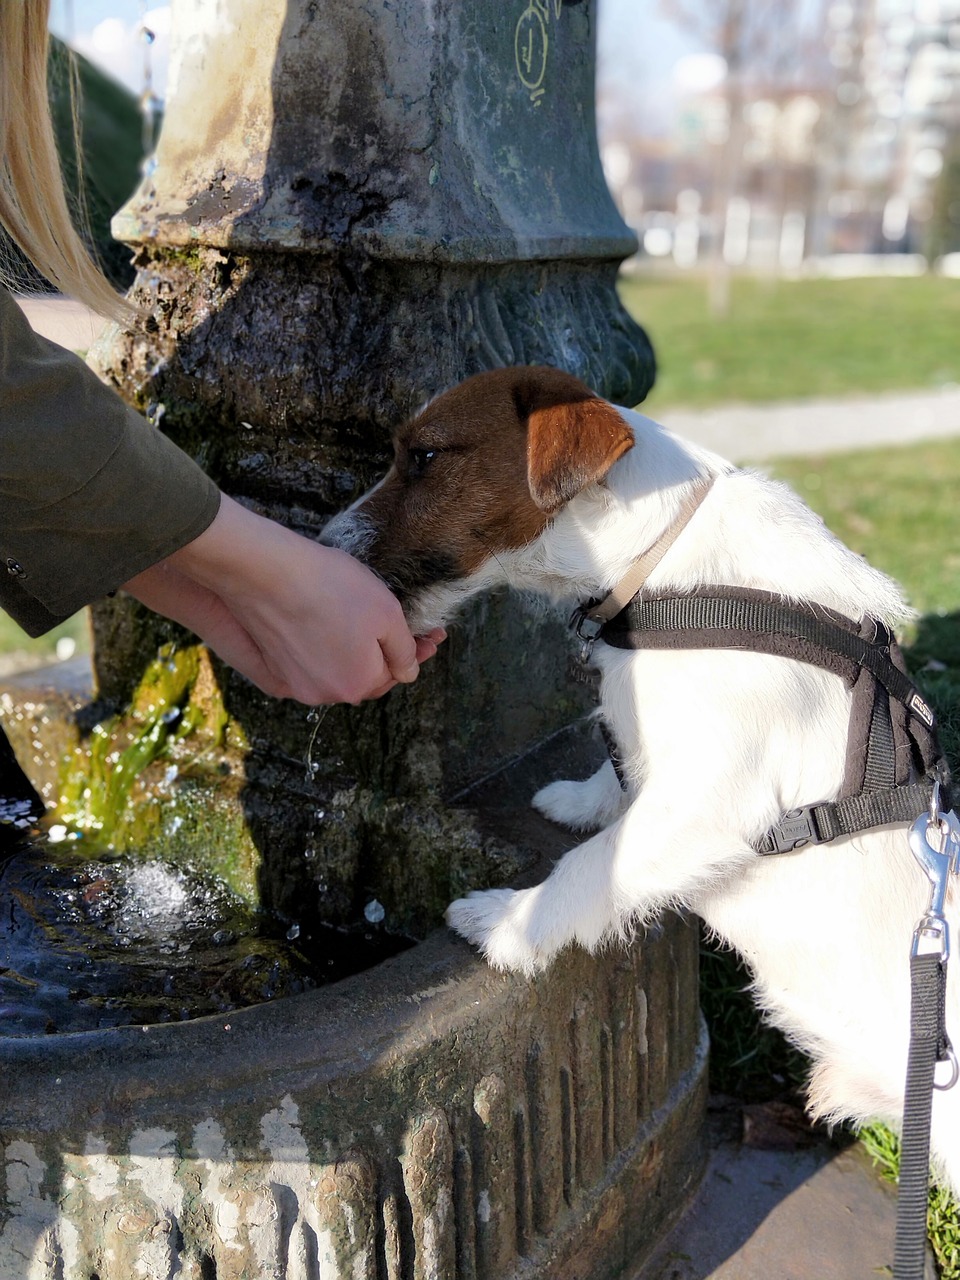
x: 716, y: 744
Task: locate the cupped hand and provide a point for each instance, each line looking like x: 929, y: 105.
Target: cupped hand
x: 299, y: 619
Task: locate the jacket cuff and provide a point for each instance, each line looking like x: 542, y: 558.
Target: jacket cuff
x: 147, y: 500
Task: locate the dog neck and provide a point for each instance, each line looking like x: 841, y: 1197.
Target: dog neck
x: 595, y: 541
x: 636, y: 576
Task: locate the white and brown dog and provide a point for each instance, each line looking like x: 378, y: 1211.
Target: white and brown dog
x: 524, y: 477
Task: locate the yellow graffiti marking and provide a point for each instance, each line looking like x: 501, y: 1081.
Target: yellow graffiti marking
x: 531, y: 44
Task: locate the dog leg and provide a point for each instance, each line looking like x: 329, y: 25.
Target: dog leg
x: 653, y: 857
x: 583, y: 806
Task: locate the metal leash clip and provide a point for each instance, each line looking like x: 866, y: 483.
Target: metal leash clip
x: 939, y: 858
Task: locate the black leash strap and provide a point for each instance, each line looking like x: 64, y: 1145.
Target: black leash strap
x: 934, y: 840
x: 928, y: 984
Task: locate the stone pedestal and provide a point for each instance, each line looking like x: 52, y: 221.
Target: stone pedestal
x: 350, y: 211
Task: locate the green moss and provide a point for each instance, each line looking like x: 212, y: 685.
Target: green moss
x: 162, y: 776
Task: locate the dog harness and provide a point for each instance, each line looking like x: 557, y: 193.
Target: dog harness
x: 893, y: 757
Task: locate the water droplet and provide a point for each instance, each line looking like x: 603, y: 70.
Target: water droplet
x: 293, y: 932
x: 374, y: 912
x: 171, y: 714
x: 147, y: 36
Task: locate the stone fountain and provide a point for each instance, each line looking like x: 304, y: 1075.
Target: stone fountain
x: 351, y: 207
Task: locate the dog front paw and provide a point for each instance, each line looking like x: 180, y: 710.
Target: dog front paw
x: 582, y: 806
x: 498, y: 921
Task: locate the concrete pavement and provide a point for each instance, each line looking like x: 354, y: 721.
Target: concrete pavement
x: 757, y: 431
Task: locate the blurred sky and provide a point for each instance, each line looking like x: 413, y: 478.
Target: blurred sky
x: 640, y: 54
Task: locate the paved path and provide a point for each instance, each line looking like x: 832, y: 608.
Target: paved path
x: 754, y: 432
x: 814, y: 1214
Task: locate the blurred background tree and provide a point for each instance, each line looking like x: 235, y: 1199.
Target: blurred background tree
x: 945, y: 219
x: 111, y: 151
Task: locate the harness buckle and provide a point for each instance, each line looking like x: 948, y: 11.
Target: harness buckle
x: 797, y: 827
x: 587, y: 630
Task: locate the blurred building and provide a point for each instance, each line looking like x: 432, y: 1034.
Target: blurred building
x: 840, y: 145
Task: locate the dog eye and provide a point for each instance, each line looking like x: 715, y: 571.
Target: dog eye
x: 419, y: 460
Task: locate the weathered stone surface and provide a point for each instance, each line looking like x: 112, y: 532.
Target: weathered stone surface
x: 384, y: 1127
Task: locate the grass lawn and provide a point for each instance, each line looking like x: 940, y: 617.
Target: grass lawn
x: 788, y: 340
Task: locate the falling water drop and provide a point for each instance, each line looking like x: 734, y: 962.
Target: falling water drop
x: 315, y: 715
x: 374, y: 912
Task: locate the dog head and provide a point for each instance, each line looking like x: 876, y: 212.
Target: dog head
x: 480, y: 472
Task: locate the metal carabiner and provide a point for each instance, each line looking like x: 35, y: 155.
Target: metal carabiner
x: 954, y: 1070
x: 937, y: 862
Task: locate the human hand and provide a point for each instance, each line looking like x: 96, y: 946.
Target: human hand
x: 299, y: 619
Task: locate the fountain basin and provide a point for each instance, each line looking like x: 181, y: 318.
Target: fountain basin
x: 427, y: 1119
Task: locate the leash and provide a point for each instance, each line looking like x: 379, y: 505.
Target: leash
x: 935, y: 843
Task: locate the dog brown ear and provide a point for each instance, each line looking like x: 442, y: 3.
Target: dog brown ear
x: 573, y: 438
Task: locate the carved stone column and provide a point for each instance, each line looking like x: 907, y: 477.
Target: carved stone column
x: 350, y: 211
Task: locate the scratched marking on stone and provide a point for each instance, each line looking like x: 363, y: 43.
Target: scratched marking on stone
x: 531, y: 45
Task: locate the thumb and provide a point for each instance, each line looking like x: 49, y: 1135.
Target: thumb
x: 400, y: 653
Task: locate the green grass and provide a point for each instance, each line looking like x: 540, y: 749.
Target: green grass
x: 111, y: 145
x: 943, y: 1213
x: 17, y: 648
x: 898, y: 507
x: 793, y: 339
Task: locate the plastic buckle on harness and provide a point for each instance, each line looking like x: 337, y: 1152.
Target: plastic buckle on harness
x: 797, y: 827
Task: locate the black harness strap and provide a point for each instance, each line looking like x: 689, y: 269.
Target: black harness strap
x: 893, y: 755
x: 725, y: 618
x: 821, y: 823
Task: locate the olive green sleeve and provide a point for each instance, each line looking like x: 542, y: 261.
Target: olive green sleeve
x: 90, y: 493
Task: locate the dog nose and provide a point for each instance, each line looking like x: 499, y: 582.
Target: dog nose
x: 334, y: 533
x: 348, y: 532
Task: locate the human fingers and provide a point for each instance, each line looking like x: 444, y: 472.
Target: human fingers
x: 399, y: 650
x: 427, y: 645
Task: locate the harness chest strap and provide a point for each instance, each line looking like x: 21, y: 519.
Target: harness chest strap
x: 893, y: 754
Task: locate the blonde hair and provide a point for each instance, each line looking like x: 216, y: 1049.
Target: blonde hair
x: 33, y: 202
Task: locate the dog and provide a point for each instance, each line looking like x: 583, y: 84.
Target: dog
x: 524, y: 477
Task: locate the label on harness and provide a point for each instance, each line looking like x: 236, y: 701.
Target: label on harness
x: 920, y: 708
